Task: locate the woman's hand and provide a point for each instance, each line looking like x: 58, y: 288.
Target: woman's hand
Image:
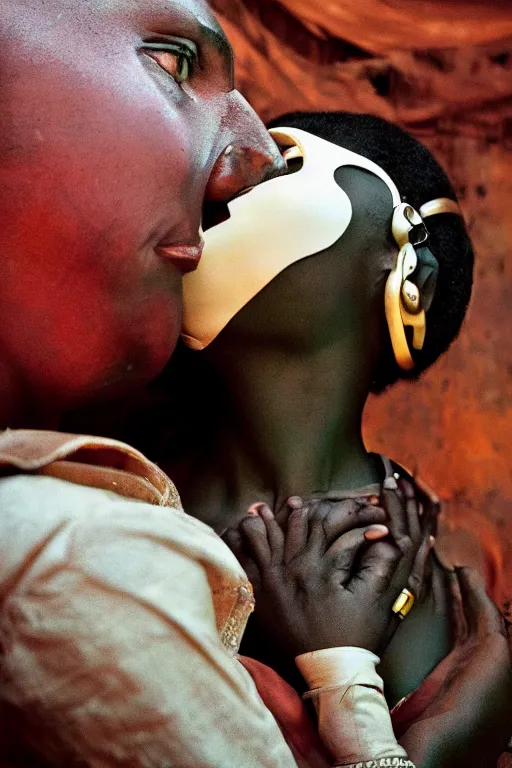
x: 469, y: 721
x: 322, y: 582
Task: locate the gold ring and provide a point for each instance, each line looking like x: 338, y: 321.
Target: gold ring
x: 403, y: 603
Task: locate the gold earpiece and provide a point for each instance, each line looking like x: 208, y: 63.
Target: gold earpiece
x: 403, y: 307
x: 402, y: 298
x: 411, y: 297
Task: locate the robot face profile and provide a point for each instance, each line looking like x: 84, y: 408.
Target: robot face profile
x: 270, y: 227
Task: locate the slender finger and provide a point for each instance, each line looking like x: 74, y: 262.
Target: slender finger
x: 482, y: 616
x: 404, y: 565
x: 296, y: 534
x: 345, y: 549
x: 416, y: 582
x: 254, y: 535
x: 412, y: 510
x: 401, y: 509
x: 395, y: 508
x: 316, y: 543
x: 286, y: 508
x: 317, y: 510
x: 275, y: 535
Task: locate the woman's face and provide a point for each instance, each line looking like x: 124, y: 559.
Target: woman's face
x: 115, y: 117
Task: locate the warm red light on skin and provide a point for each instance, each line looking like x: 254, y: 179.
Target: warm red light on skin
x: 103, y: 156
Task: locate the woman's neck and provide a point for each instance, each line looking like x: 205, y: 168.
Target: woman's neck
x: 288, y: 425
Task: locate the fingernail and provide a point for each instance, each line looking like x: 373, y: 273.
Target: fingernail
x: 376, y: 532
x: 373, y: 500
x: 254, y: 509
x: 431, y: 541
x: 295, y: 502
x: 390, y: 484
x: 265, y: 512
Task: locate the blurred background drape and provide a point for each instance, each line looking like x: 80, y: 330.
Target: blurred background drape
x: 442, y: 69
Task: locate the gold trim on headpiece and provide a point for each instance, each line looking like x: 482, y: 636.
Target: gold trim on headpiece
x: 402, y: 302
x: 439, y: 205
x: 398, y: 314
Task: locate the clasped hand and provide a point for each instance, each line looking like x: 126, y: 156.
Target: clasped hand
x: 327, y: 574
x: 321, y: 582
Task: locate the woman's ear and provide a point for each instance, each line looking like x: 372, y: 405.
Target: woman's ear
x: 425, y: 276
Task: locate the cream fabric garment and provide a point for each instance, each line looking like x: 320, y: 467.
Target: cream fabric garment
x: 111, y: 649
x: 120, y: 621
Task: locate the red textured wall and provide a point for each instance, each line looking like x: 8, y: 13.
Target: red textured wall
x: 455, y: 424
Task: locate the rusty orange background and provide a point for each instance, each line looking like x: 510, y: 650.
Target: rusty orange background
x: 455, y: 424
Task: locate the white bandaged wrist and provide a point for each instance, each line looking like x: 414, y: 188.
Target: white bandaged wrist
x: 353, y: 717
x: 335, y: 667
